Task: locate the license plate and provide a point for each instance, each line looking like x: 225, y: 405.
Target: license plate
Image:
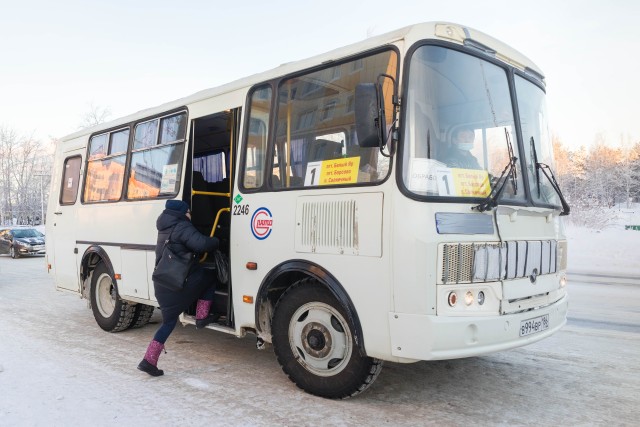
x: 38, y: 247
x: 535, y: 325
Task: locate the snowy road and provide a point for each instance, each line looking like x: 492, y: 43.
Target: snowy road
x: 57, y: 368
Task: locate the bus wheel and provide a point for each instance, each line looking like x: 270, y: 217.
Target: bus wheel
x: 111, y: 313
x: 314, y: 343
x: 141, y: 316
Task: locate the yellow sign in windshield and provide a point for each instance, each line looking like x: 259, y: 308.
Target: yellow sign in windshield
x: 333, y: 172
x: 463, y: 182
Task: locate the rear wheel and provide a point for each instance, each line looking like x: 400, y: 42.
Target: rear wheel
x: 315, y: 344
x: 141, y: 316
x: 111, y: 313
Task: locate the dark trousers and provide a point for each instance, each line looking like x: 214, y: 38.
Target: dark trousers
x: 170, y: 320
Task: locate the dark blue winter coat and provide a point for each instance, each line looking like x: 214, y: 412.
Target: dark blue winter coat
x: 185, y: 238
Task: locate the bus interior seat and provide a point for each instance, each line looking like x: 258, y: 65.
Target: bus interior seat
x: 319, y: 150
x: 323, y: 149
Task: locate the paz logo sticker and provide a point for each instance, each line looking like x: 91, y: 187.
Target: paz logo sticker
x: 261, y: 223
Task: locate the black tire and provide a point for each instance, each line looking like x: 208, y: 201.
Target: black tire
x: 314, y: 342
x: 111, y: 313
x: 141, y: 316
x: 13, y: 253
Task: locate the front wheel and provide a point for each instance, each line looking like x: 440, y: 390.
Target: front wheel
x: 315, y: 345
x: 13, y: 253
x: 111, y: 313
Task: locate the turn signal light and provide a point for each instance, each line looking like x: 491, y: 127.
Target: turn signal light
x: 247, y: 298
x: 117, y: 276
x: 252, y: 265
x: 480, y: 298
x: 453, y: 299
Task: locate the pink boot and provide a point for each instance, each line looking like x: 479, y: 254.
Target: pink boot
x: 203, y: 318
x: 202, y: 309
x: 150, y: 361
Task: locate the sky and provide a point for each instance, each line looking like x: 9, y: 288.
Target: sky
x: 57, y: 59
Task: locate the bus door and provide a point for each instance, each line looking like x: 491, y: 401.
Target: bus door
x: 64, y: 221
x: 214, y: 141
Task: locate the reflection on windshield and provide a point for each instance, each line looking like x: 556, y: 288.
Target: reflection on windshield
x: 27, y: 232
x: 535, y: 134
x: 458, y: 113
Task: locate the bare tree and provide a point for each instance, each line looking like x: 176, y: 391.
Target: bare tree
x: 628, y: 173
x: 94, y: 116
x: 24, y: 178
x: 7, y: 141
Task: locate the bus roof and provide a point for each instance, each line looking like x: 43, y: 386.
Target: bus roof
x: 430, y: 30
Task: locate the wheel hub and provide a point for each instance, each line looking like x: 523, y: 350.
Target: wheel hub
x: 316, y: 340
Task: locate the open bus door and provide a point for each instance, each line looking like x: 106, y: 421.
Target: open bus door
x: 210, y: 162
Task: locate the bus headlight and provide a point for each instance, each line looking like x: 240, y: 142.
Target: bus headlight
x: 468, y: 298
x: 563, y: 281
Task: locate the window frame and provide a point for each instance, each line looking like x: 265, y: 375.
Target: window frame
x: 131, y: 126
x: 246, y: 133
x: 402, y: 144
x: 131, y: 151
x: 107, y: 156
x: 275, y: 85
x: 62, y: 182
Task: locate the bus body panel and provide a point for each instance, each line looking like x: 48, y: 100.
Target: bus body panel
x: 135, y: 273
x: 365, y: 278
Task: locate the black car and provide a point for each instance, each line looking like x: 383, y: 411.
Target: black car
x: 20, y: 241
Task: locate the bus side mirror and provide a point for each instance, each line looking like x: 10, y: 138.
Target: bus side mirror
x: 370, y: 119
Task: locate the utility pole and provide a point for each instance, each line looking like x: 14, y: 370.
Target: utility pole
x: 41, y: 175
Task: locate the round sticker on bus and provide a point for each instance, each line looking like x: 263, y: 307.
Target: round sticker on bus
x: 261, y: 223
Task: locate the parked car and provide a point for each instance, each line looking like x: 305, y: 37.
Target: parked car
x: 21, y: 241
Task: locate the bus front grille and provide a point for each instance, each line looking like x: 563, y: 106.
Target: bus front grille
x: 491, y: 261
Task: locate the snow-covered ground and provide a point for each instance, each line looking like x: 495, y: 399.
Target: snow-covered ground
x: 613, y: 251
x: 57, y: 368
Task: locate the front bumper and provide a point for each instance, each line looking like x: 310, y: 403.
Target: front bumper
x: 35, y: 250
x: 429, y: 337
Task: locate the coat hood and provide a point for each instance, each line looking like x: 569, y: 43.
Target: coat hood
x: 168, y: 218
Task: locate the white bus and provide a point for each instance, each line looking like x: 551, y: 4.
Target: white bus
x: 352, y: 238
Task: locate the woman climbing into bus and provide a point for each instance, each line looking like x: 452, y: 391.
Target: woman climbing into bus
x: 175, y: 222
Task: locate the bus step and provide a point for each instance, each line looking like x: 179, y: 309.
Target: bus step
x: 187, y: 319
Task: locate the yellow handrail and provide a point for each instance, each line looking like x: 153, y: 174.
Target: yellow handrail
x: 209, y: 193
x: 213, y: 229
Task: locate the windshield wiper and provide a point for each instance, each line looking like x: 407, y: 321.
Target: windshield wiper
x: 550, y: 176
x: 534, y: 152
x: 510, y: 171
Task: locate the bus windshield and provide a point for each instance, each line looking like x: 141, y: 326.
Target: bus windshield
x: 537, y: 142
x: 459, y: 127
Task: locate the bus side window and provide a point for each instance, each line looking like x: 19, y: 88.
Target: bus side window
x: 255, y: 147
x: 316, y: 122
x: 70, y: 180
x: 156, y: 158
